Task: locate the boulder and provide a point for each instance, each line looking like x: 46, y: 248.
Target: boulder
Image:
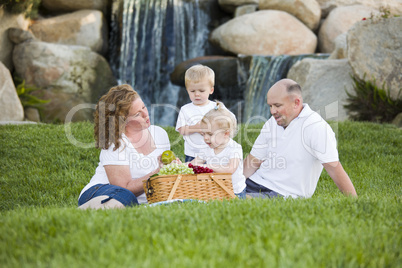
x: 7, y: 21
x: 323, y: 84
x: 246, y: 9
x: 375, y: 52
x: 308, y: 11
x: 10, y: 105
x: 398, y: 120
x: 231, y: 5
x: 17, y: 35
x: 67, y: 75
x: 339, y: 21
x: 84, y: 28
x: 73, y: 5
x: 341, y: 47
x: 267, y: 32
x: 394, y: 6
x: 32, y: 114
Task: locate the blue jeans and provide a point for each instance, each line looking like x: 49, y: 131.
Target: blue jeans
x: 188, y: 158
x: 242, y: 194
x: 124, y: 196
x: 254, y: 189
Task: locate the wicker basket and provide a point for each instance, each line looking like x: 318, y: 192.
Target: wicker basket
x: 205, y: 186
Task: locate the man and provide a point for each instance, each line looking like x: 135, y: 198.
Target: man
x: 294, y: 145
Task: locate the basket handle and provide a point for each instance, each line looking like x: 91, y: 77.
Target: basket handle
x: 223, y: 186
x: 150, y: 189
x: 176, y: 184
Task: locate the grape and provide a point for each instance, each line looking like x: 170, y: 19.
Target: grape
x: 199, y: 169
x: 175, y: 168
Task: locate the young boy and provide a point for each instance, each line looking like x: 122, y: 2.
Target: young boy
x: 199, y: 82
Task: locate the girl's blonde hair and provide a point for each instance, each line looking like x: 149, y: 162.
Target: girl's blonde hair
x: 111, y: 114
x: 199, y: 72
x: 221, y: 116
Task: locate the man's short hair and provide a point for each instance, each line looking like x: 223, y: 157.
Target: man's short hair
x: 293, y: 88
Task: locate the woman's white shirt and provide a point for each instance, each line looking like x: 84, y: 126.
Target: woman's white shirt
x: 126, y: 155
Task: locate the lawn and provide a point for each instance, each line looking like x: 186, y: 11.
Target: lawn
x: 44, y: 167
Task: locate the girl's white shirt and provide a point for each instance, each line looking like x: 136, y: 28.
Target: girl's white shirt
x: 232, y: 150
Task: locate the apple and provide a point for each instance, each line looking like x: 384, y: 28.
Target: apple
x: 167, y: 157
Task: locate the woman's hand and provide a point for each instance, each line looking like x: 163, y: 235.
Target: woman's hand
x: 176, y: 161
x: 160, y: 164
x: 121, y: 176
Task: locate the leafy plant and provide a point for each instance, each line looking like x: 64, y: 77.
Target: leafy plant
x: 371, y: 103
x: 26, y: 98
x: 384, y: 13
x: 27, y: 7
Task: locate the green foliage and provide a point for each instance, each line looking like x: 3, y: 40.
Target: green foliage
x: 27, y: 100
x: 43, y: 172
x: 27, y: 7
x: 371, y: 103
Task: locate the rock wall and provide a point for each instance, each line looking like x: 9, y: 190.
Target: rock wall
x: 62, y: 52
x: 375, y: 52
x: 10, y: 105
x: 7, y: 21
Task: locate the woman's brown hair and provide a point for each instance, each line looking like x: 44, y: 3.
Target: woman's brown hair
x: 110, y: 115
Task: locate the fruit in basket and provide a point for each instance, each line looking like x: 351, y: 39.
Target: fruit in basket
x: 167, y: 157
x: 175, y: 168
x: 200, y: 169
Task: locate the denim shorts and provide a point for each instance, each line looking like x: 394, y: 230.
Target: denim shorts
x: 242, y: 194
x: 124, y: 196
x: 254, y: 189
x: 188, y: 158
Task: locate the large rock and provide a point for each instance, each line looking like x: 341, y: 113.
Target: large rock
x: 73, y: 5
x: 7, y: 21
x: 341, y: 47
x: 308, y: 11
x: 375, y: 50
x: 231, y: 5
x: 84, y: 28
x: 398, y: 120
x: 394, y: 6
x: 246, y: 9
x: 10, y: 105
x: 17, y: 35
x: 68, y: 75
x: 339, y: 21
x: 267, y: 32
x: 323, y: 84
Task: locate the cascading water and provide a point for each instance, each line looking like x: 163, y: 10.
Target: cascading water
x: 264, y: 71
x: 156, y: 36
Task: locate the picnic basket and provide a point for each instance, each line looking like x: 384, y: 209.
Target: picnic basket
x: 204, y: 186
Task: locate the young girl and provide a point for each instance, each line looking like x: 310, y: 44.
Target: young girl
x: 223, y: 153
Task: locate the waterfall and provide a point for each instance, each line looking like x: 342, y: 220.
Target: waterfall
x: 154, y: 36
x: 263, y: 73
x: 157, y: 35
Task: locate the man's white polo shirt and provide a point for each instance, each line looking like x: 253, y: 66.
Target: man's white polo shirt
x: 293, y: 156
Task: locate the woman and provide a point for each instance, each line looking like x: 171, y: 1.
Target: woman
x: 131, y: 149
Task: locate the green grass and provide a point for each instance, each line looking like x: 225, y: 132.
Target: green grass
x: 43, y: 172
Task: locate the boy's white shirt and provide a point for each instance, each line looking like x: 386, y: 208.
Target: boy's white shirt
x: 232, y: 150
x: 189, y: 115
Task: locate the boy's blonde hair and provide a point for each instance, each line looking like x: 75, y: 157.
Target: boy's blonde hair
x: 220, y: 115
x: 199, y: 72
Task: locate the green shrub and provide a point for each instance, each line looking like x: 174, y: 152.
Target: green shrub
x: 371, y: 103
x: 27, y: 7
x: 28, y: 100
